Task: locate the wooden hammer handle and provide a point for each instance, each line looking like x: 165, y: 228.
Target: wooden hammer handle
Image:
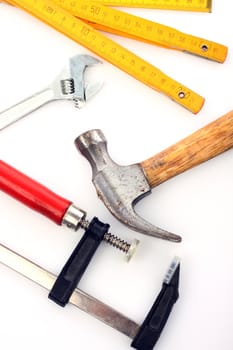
x: 202, y: 145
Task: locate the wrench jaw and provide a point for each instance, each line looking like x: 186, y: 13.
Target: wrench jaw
x: 83, y: 91
x: 70, y: 83
x: 92, y: 89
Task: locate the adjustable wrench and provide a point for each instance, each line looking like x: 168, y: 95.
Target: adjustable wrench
x: 68, y: 85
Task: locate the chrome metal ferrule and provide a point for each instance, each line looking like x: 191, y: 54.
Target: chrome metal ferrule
x: 73, y: 217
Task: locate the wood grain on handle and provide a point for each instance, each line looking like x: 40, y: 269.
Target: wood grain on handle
x: 204, y: 144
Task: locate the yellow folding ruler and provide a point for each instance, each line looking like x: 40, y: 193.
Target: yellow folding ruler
x: 179, y: 5
x: 70, y: 17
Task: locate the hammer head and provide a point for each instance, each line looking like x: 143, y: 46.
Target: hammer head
x: 119, y: 187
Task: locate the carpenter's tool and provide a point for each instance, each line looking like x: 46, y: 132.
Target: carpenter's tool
x: 61, y: 16
x: 121, y: 23
x: 144, y: 336
x: 69, y: 85
x: 181, y: 5
x: 60, y: 210
x: 121, y: 187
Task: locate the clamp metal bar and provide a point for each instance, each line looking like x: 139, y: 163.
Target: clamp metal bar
x: 144, y: 336
x: 80, y: 299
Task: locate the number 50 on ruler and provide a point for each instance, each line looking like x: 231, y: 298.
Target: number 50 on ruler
x: 64, y: 21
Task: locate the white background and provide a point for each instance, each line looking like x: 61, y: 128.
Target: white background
x: 138, y: 122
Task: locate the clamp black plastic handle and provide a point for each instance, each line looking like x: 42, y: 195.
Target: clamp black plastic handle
x: 76, y: 265
x: 152, y: 327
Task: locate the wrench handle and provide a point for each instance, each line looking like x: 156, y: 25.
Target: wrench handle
x: 32, y: 194
x: 202, y: 145
x: 21, y: 109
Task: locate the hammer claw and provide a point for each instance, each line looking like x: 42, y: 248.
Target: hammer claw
x: 128, y: 216
x: 131, y: 219
x: 119, y: 187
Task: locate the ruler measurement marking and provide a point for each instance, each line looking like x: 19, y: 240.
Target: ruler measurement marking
x: 183, y: 5
x: 143, y: 29
x: 83, y: 34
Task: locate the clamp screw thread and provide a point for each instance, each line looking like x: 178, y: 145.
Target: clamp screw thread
x: 84, y: 224
x: 116, y: 242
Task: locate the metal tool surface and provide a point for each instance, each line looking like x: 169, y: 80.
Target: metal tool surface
x: 69, y: 85
x: 144, y: 336
x: 63, y: 20
x: 121, y: 187
x: 79, y: 298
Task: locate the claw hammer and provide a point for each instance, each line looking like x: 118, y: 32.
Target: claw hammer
x: 121, y: 187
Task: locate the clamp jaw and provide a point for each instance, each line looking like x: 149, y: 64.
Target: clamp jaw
x: 144, y: 336
x: 64, y: 289
x: 79, y: 260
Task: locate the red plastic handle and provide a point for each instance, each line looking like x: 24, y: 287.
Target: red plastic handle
x: 32, y: 193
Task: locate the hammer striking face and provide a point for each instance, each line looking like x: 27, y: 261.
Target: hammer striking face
x: 121, y: 187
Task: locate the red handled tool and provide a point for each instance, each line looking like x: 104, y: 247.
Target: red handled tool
x: 63, y: 289
x: 58, y: 209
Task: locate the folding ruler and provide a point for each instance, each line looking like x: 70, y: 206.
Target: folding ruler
x: 78, y: 19
x: 179, y: 5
